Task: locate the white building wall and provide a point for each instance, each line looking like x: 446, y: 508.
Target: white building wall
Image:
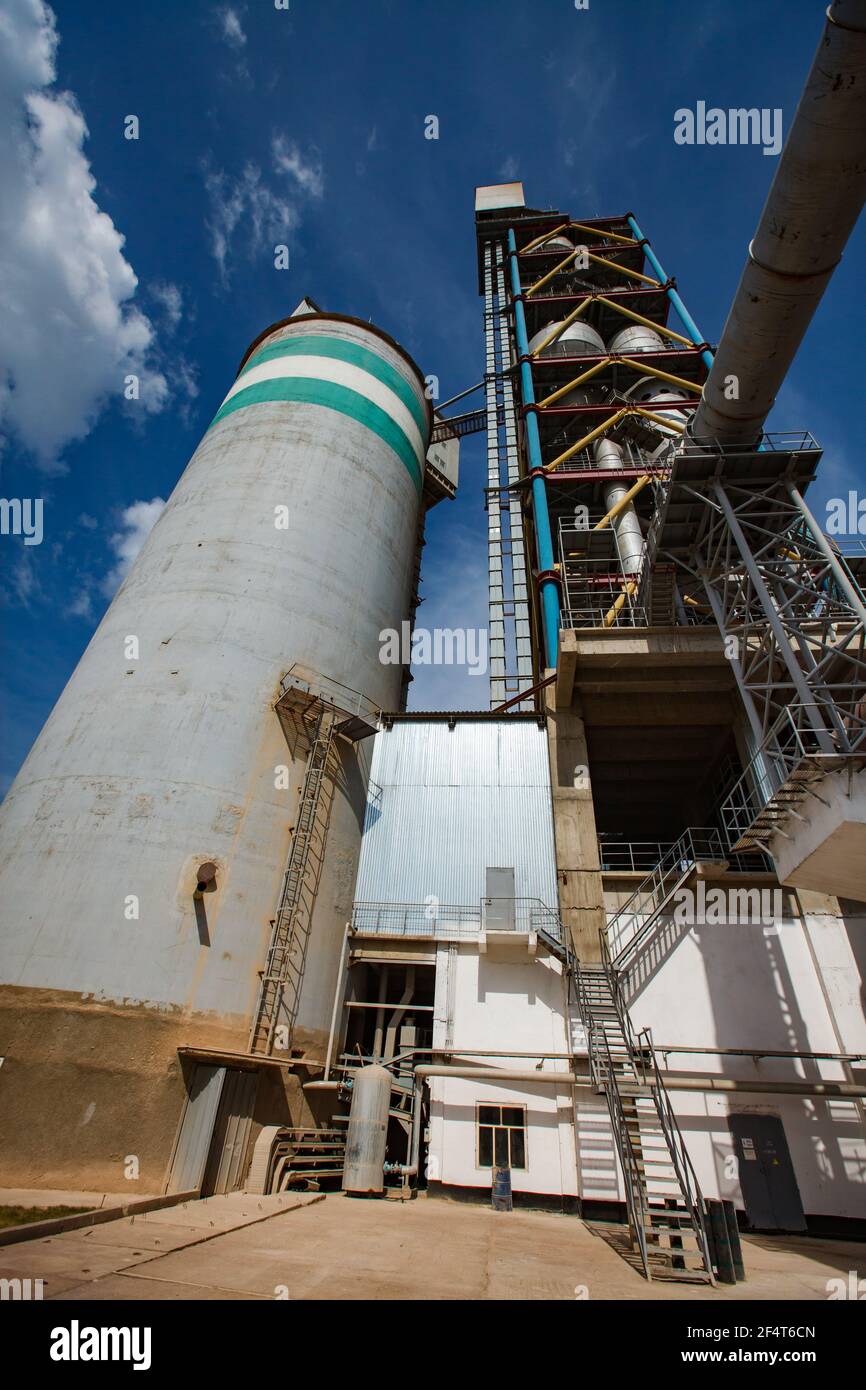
x: 499, y: 1002
x: 795, y: 987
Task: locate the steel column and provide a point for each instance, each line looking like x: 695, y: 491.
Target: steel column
x: 686, y: 319
x: 543, y: 535
x: 795, y: 670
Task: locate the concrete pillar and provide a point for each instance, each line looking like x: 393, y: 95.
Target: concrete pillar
x: 580, y: 887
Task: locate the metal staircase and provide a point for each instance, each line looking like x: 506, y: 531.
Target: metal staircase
x: 663, y: 1199
x: 635, y: 921
x: 279, y: 992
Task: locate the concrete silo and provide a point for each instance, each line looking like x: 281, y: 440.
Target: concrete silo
x: 288, y: 544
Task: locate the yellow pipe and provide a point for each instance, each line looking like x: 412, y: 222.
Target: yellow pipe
x: 552, y: 337
x: 647, y: 323
x: 693, y: 603
x: 623, y: 270
x: 540, y: 240
x: 578, y: 381
x: 659, y: 419
x: 611, y: 614
x: 587, y: 439
x: 605, y: 236
x: 550, y: 274
x: 623, y: 501
x: 644, y: 367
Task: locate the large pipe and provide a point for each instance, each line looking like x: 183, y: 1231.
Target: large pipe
x: 620, y: 508
x: 814, y: 201
x: 674, y: 1081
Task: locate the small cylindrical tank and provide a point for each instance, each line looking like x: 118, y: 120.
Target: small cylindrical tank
x: 363, y: 1172
x: 635, y: 338
x: 654, y: 395
x: 626, y: 525
x: 577, y: 340
x: 559, y: 244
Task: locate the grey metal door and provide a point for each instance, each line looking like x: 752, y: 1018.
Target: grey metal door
x: 194, y: 1137
x: 225, y: 1166
x: 499, y: 899
x: 767, y: 1178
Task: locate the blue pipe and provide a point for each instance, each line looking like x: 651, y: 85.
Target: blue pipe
x: 688, y: 322
x: 543, y: 536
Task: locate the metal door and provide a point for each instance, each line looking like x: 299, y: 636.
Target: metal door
x: 194, y: 1137
x: 499, y: 900
x: 225, y: 1169
x: 767, y: 1178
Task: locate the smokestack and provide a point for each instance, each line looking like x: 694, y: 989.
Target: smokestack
x: 814, y: 201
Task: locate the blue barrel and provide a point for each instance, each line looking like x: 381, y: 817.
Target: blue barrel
x: 500, y: 1191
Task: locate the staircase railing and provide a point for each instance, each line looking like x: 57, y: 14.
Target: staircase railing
x: 683, y: 1166
x: 639, y: 913
x: 605, y: 1080
x: 634, y: 1049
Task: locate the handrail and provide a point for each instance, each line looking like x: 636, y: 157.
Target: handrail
x: 790, y: 741
x: 683, y: 1166
x: 634, y: 1192
x: 637, y: 1059
x: 457, y: 919
x: 702, y: 843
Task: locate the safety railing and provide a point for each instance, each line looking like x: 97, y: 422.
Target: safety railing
x: 638, y: 914
x: 791, y: 742
x: 683, y: 1166
x: 631, y: 856
x: 435, y: 919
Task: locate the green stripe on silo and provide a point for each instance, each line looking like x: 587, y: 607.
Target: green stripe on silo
x: 312, y: 391
x: 321, y: 345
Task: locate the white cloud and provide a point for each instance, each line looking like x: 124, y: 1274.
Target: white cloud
x: 81, y: 605
x: 231, y: 27
x: 509, y: 168
x: 137, y: 521
x: 68, y: 335
x: 307, y: 173
x: 170, y: 301
x: 250, y: 209
x: 24, y: 583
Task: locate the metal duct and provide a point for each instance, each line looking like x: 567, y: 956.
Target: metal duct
x: 814, y: 201
x: 626, y: 525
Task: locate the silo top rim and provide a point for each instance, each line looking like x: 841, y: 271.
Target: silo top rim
x: 340, y: 318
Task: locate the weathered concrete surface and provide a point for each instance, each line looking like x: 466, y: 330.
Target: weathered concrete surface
x: 85, y: 1085
x: 826, y: 852
x: 581, y: 894
x: 79, y: 1257
x: 338, y: 1248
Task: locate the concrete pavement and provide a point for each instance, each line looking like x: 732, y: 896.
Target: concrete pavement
x: 312, y: 1247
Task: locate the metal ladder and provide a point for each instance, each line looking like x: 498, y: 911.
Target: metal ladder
x: 663, y: 1198
x: 280, y: 988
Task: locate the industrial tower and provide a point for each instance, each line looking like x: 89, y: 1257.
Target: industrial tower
x: 607, y: 936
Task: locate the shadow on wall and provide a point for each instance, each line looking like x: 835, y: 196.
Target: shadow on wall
x: 756, y: 1003
x: 854, y: 914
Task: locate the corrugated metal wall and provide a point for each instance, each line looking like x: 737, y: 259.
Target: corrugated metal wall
x: 445, y: 804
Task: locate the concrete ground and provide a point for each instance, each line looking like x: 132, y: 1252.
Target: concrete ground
x: 313, y: 1247
x: 64, y: 1197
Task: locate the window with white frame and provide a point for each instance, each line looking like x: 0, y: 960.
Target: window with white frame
x: 501, y: 1136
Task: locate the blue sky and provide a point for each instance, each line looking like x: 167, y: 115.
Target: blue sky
x: 261, y: 126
